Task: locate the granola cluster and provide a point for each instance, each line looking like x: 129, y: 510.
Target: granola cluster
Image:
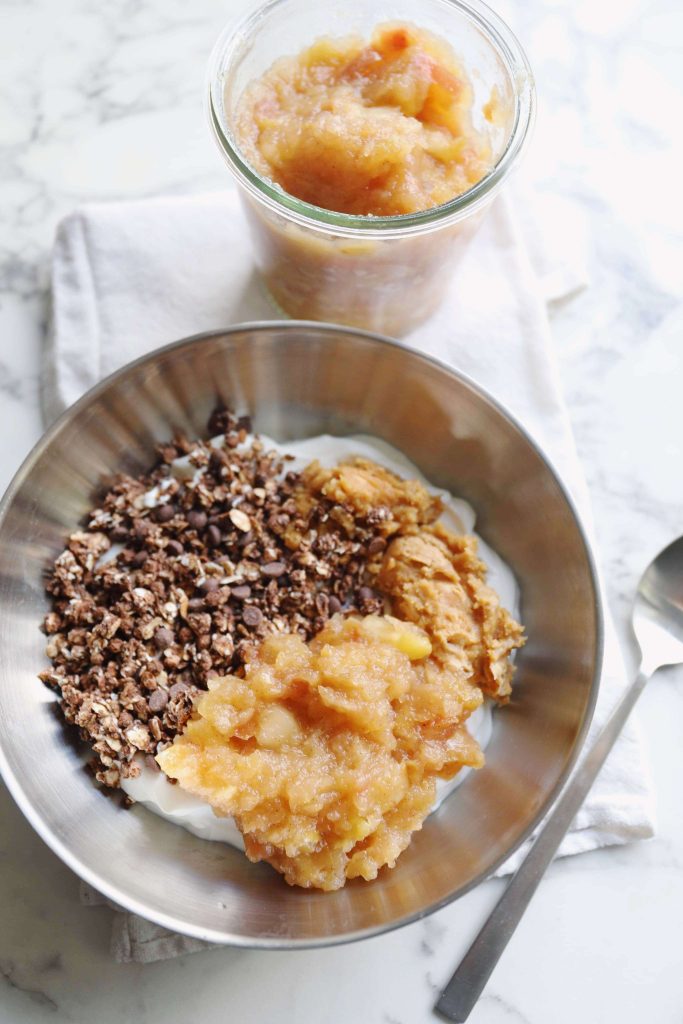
x: 177, y: 577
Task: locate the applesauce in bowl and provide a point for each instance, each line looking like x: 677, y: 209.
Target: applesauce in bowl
x: 367, y: 149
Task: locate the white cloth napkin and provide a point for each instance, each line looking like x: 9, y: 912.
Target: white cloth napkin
x: 130, y: 276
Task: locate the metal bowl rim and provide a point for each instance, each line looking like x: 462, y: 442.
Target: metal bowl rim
x: 120, y: 897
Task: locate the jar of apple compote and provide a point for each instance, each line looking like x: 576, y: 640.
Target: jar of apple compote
x: 367, y: 150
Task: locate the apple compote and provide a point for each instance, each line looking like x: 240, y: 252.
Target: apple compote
x: 327, y: 753
x: 381, y: 128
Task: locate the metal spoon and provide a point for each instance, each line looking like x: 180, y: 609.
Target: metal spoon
x: 658, y: 626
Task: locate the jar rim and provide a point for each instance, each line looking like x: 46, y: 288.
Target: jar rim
x: 507, y: 47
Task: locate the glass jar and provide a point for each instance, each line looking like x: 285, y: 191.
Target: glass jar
x: 386, y: 274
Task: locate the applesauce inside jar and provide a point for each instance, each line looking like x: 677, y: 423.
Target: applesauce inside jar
x: 366, y: 156
x: 378, y: 129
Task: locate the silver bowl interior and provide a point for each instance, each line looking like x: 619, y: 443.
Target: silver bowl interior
x: 298, y: 380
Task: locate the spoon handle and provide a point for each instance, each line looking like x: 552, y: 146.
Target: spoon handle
x: 463, y: 990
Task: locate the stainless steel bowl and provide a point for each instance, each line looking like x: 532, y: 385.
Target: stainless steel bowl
x: 300, y: 379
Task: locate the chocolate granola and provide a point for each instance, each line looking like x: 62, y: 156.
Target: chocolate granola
x: 180, y: 573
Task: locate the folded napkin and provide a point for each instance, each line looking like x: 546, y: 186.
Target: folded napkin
x: 130, y: 276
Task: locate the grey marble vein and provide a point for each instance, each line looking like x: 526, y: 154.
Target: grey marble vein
x: 10, y: 972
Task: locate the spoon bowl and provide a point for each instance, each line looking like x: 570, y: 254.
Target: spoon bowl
x: 658, y: 610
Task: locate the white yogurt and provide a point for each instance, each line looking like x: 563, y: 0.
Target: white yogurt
x: 152, y: 788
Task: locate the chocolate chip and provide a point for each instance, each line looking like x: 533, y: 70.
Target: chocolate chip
x: 151, y: 763
x: 164, y: 513
x: 119, y: 534
x: 278, y: 522
x: 220, y: 420
x: 140, y: 558
x: 241, y: 593
x: 366, y: 594
x: 141, y: 528
x: 163, y: 638
x: 178, y: 689
x: 217, y: 460
x: 274, y: 569
x: 174, y: 547
x: 251, y: 616
x: 376, y: 545
x: 158, y: 700
x: 213, y: 536
x: 196, y: 604
x: 334, y: 605
x: 196, y: 519
x: 207, y: 585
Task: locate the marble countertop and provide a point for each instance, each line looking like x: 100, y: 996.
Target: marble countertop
x: 101, y: 101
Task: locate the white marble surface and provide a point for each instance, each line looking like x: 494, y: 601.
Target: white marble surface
x: 102, y: 101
